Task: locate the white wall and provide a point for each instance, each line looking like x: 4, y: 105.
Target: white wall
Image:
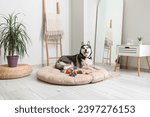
x: 83, y: 17
x: 33, y: 21
x: 136, y: 23
x: 77, y: 25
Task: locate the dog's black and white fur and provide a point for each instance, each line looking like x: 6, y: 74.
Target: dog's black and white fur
x: 84, y: 58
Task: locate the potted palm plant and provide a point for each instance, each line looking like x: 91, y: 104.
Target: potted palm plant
x: 13, y: 39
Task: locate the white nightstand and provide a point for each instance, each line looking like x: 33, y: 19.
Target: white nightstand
x: 133, y: 51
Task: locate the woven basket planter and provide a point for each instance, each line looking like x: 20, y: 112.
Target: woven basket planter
x: 16, y: 72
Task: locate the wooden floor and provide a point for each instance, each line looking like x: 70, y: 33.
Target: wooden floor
x: 125, y: 86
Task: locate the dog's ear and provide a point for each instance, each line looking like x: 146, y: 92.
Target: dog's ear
x: 82, y: 43
x: 88, y: 43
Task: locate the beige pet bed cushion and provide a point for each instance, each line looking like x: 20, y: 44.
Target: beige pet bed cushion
x: 54, y: 76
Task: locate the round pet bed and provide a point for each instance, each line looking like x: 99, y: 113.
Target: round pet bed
x: 54, y: 76
x: 15, y: 72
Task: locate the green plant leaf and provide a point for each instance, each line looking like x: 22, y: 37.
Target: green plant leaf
x: 14, y: 38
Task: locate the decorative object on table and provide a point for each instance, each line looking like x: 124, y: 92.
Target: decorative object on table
x: 13, y: 39
x: 140, y: 40
x: 53, y: 31
x: 130, y: 41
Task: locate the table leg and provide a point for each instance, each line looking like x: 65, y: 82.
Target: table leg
x: 139, y: 62
x: 148, y: 62
x: 127, y: 62
x: 57, y: 49
x: 116, y: 63
x: 110, y: 56
x: 60, y: 47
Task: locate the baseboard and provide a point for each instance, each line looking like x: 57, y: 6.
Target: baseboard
x: 112, y: 64
x: 134, y: 68
x: 37, y: 65
x: 41, y: 65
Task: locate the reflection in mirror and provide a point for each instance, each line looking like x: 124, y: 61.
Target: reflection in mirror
x: 109, y: 30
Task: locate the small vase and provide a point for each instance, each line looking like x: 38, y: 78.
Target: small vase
x: 140, y: 42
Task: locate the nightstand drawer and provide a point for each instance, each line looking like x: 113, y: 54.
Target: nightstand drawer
x: 128, y: 50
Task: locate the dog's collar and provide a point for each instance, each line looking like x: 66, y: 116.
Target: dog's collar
x: 81, y: 55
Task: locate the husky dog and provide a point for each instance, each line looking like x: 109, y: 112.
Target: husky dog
x: 76, y: 61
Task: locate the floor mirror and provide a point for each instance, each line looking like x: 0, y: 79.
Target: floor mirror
x: 108, y: 30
